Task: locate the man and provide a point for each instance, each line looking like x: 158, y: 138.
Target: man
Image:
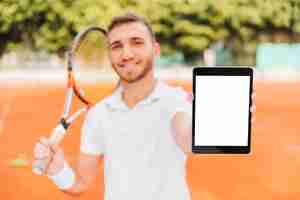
x: 142, y: 131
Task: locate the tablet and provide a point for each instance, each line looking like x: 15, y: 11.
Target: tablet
x: 221, y: 110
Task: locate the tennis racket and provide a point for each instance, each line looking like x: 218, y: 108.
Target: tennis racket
x: 87, y: 57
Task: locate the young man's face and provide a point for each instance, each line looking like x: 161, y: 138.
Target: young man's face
x: 132, y: 51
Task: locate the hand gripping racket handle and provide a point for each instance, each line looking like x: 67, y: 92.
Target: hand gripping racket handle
x: 56, y: 136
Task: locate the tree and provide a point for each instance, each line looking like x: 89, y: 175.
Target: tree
x: 187, y: 26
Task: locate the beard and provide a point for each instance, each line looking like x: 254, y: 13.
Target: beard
x: 133, y: 76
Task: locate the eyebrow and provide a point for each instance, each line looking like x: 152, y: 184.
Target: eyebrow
x: 132, y: 38
x: 137, y: 38
x: 115, y: 42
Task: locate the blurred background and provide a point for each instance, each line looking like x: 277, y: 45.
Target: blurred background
x: 264, y: 34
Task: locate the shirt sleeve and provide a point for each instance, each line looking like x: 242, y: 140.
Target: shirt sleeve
x: 92, y: 139
x: 181, y: 102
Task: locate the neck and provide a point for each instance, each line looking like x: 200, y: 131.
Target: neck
x: 139, y: 90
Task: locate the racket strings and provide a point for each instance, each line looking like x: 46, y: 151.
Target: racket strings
x: 91, y: 51
x: 89, y: 61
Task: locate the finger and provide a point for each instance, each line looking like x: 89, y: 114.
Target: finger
x: 39, y: 163
x: 45, y: 141
x: 189, y: 97
x: 39, y: 147
x: 253, y: 120
x: 253, y: 108
x: 41, y: 154
x: 40, y: 150
x: 54, y: 148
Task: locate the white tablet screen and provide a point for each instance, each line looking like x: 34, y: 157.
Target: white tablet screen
x: 221, y: 110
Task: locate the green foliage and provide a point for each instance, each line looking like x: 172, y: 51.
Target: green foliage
x: 187, y: 26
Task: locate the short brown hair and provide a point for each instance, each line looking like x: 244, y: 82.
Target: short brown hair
x: 130, y: 17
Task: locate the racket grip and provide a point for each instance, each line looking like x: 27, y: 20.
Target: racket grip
x: 39, y: 166
x: 57, y: 134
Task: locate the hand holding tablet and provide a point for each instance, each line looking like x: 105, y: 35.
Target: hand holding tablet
x: 221, y: 110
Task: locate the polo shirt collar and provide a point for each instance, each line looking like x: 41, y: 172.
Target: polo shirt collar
x: 115, y: 101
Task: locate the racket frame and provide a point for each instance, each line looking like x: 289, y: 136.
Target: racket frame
x: 73, y: 88
x: 59, y: 131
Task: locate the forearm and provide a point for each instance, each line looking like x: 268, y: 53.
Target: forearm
x: 184, y: 140
x: 76, y: 182
x: 77, y: 189
x: 68, y: 181
x: 182, y: 131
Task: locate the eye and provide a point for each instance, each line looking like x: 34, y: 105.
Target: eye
x: 116, y: 46
x: 138, y: 42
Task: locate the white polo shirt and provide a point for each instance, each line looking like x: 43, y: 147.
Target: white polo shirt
x: 141, y: 158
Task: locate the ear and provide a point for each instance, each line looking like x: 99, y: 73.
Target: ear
x: 156, y: 49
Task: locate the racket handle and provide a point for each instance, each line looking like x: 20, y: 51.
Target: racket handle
x: 57, y: 134
x: 39, y: 166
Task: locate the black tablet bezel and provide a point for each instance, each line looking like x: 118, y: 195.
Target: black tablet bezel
x: 222, y: 71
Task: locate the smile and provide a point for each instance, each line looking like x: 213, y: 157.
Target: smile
x: 129, y: 65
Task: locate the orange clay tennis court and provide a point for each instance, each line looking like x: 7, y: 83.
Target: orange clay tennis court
x: 272, y: 171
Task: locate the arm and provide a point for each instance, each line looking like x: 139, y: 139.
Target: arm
x: 182, y: 131
x: 91, y: 153
x: 181, y: 123
x: 182, y: 128
x: 87, y: 170
x: 69, y: 181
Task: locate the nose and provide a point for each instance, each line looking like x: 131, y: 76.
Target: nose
x: 127, y: 53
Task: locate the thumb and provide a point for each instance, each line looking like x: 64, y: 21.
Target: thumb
x: 189, y: 97
x: 55, y: 148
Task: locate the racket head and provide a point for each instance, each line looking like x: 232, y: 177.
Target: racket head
x: 88, y: 63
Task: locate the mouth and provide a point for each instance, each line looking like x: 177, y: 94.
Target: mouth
x: 129, y: 65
